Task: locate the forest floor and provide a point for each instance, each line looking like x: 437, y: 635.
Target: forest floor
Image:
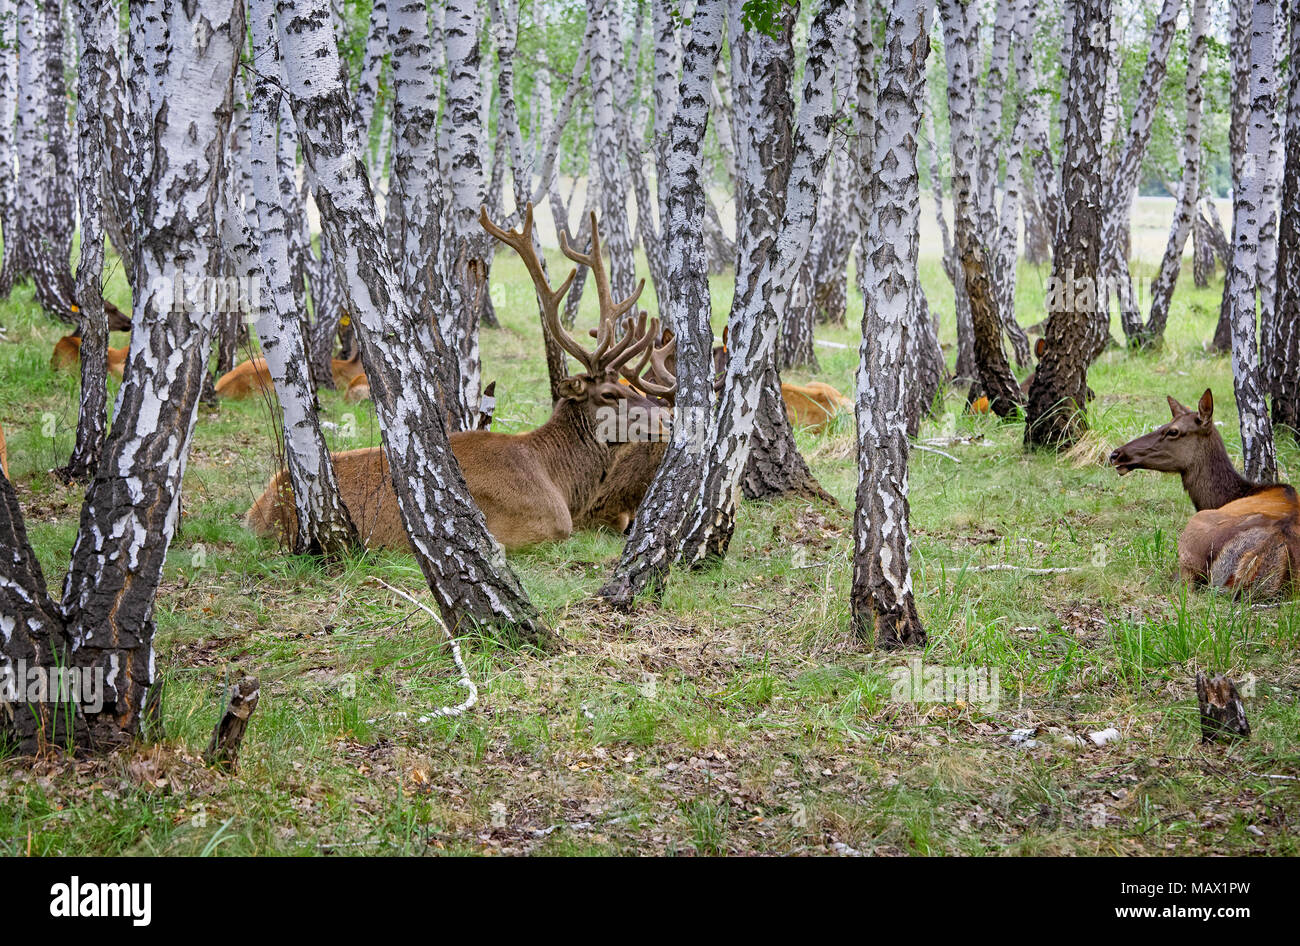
x: 739, y: 714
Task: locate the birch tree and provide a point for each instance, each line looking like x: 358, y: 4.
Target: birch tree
x: 1258, y: 451
x: 466, y: 247
x: 780, y: 215
x: 654, y: 540
x: 1284, y: 373
x: 465, y: 568
x: 881, y: 599
x: 104, y: 622
x: 960, y: 22
x: 1123, y: 177
x: 1076, y: 325
x: 260, y: 243
x: 615, y: 234
x: 8, y: 157
x: 97, y: 25
x: 1189, y: 187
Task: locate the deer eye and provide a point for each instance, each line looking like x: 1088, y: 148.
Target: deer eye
x: 1171, y: 432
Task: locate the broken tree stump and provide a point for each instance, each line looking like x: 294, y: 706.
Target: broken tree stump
x: 223, y: 748
x: 1222, y: 712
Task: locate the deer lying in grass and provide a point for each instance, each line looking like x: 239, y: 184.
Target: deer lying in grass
x: 1244, y: 536
x: 252, y: 377
x: 67, y: 354
x: 529, y: 485
x: 625, y: 484
x: 813, y: 405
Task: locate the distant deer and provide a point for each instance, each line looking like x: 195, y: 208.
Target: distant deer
x: 67, y: 354
x: 4, y: 455
x: 1244, y: 536
x: 529, y: 485
x: 252, y: 377
x: 813, y: 405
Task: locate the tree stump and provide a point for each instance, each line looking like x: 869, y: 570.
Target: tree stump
x: 1222, y: 712
x: 223, y: 748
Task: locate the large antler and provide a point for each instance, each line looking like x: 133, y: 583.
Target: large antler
x: 609, y: 355
x: 660, y: 379
x: 611, y: 312
x: 521, y: 241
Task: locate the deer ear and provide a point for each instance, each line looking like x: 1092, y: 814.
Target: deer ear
x: 1040, y: 348
x: 1206, y: 407
x: 1175, y: 408
x: 572, y: 387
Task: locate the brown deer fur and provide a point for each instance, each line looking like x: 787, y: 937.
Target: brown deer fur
x: 1244, y: 536
x: 530, y: 486
x: 67, y: 354
x: 252, y: 377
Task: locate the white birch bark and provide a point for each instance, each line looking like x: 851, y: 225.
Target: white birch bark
x: 653, y: 542
x: 614, y: 227
x: 463, y: 565
x: 132, y: 506
x: 465, y: 246
x: 1122, y: 173
x: 8, y: 156
x: 779, y: 252
x: 1189, y: 187
x: 260, y: 241
x: 881, y: 599
x: 1260, y: 459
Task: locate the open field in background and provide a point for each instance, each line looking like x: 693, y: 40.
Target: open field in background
x: 737, y: 716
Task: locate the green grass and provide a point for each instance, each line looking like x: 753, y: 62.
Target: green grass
x: 737, y: 715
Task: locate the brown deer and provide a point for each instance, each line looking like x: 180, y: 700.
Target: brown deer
x: 813, y: 405
x: 1244, y: 536
x: 67, y: 354
x: 529, y: 485
x: 625, y: 484
x: 252, y: 377
x: 4, y: 455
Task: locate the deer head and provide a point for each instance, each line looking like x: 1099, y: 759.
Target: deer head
x: 620, y: 336
x: 1175, y: 447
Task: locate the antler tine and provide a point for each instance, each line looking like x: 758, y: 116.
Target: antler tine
x: 634, y: 341
x: 666, y: 384
x: 521, y: 241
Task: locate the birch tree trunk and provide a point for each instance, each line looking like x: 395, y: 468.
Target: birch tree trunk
x: 1285, y: 372
x: 465, y: 246
x: 464, y: 566
x: 1189, y: 188
x: 615, y: 233
x: 104, y: 624
x: 1076, y: 325
x: 774, y: 253
x: 995, y: 375
x: 29, y: 144
x: 505, y: 30
x: 1260, y: 459
x: 260, y: 243
x: 1123, y: 179
x: 1267, y: 260
x: 1239, y: 47
x: 881, y: 599
x: 8, y: 156
x: 97, y: 23
x: 654, y: 540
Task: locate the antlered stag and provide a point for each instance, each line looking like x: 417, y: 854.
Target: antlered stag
x: 1245, y: 536
x: 530, y: 486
